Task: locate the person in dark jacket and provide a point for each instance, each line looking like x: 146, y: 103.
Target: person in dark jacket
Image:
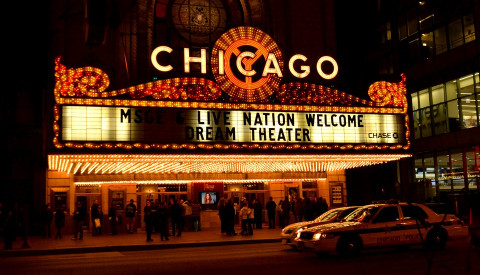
x: 47, y: 218
x: 79, y: 219
x: 286, y: 211
x: 258, y: 213
x: 176, y: 215
x: 148, y: 219
x: 112, y: 218
x: 221, y: 215
x: 130, y: 212
x: 230, y: 218
x: 271, y: 207
x: 59, y: 221
x: 308, y: 209
x: 94, y: 214
x: 162, y: 213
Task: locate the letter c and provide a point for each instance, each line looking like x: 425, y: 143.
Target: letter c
x: 154, y: 58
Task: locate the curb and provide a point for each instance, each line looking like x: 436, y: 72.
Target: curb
x: 43, y: 252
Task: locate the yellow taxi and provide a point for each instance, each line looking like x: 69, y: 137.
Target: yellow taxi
x: 383, y: 225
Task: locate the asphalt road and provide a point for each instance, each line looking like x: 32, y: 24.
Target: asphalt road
x: 458, y: 258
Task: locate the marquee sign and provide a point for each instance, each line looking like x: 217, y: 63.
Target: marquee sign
x: 188, y: 113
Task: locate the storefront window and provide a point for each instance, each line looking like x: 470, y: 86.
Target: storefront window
x: 473, y: 168
x: 430, y: 183
x: 444, y: 172
x: 438, y: 94
x: 469, y: 111
x: 455, y: 33
x: 440, y: 40
x: 457, y: 171
x: 469, y: 28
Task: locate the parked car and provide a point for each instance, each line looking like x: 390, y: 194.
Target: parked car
x: 289, y: 233
x: 383, y: 225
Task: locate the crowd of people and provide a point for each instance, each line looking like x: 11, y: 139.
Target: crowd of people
x: 250, y: 214
x: 167, y: 218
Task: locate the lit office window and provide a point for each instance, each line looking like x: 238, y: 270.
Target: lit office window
x: 469, y: 111
x: 440, y: 118
x: 424, y: 98
x: 473, y: 167
x: 438, y: 94
x: 453, y: 116
x: 451, y: 88
x: 465, y: 85
x: 415, y: 101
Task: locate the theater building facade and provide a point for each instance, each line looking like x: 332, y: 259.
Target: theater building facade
x: 227, y: 114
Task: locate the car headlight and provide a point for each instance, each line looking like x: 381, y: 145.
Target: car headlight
x: 299, y: 231
x: 319, y: 236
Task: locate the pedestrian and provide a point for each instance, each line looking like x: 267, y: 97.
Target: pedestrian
x: 271, y: 207
x: 59, y: 221
x: 162, y: 214
x: 221, y: 215
x: 94, y: 216
x: 113, y: 219
x: 286, y: 211
x: 258, y: 213
x: 280, y: 213
x: 148, y: 219
x: 176, y: 215
x: 99, y: 221
x: 79, y: 220
x: 308, y: 210
x: 299, y: 211
x: 323, y: 205
x: 130, y: 212
x: 197, y: 225
x: 230, y: 218
x: 244, y: 215
x: 47, y: 218
x: 251, y: 220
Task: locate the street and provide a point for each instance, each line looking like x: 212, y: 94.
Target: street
x: 273, y: 258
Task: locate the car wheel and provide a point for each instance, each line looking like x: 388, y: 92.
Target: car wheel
x: 436, y: 239
x: 349, y: 246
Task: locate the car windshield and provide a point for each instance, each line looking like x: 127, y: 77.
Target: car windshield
x: 327, y: 215
x: 363, y: 214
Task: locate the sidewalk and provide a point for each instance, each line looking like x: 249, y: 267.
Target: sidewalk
x: 135, y: 241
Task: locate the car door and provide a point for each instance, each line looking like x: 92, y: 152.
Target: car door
x: 414, y: 220
x: 385, y: 229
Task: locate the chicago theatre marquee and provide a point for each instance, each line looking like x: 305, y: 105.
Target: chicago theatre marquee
x: 244, y: 134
